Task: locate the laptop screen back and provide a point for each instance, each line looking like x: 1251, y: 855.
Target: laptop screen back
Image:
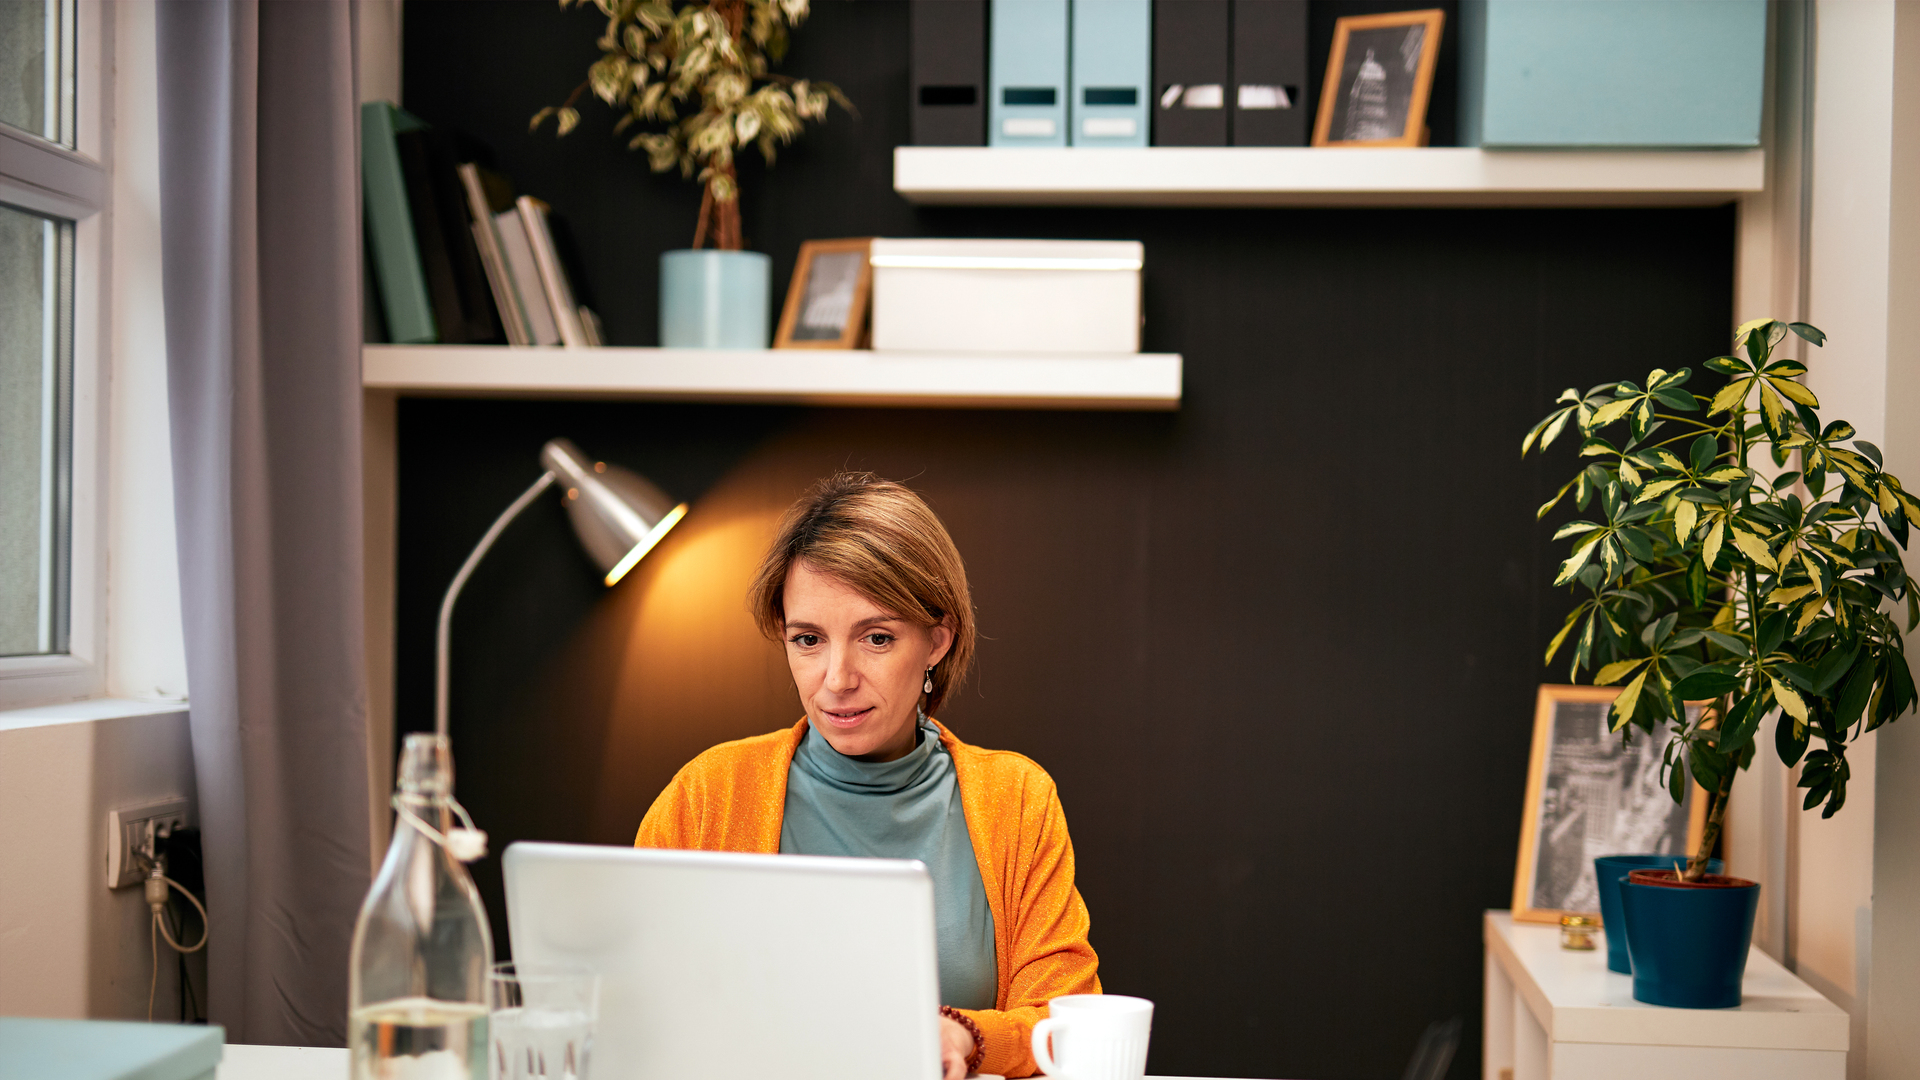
x: 738, y: 967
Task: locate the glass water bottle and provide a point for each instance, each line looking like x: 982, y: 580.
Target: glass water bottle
x: 417, y: 998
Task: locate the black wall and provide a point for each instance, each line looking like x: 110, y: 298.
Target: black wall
x: 1279, y: 648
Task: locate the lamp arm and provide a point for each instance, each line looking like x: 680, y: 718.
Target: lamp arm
x: 459, y: 582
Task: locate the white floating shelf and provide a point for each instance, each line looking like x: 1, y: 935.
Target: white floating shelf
x: 1325, y: 176
x: 786, y: 376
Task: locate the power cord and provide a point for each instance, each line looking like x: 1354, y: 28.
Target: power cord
x: 157, y: 886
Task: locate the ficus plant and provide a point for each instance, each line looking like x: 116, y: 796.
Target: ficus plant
x: 698, y: 79
x: 1703, y: 576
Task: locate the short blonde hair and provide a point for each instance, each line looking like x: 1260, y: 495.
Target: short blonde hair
x: 885, y: 543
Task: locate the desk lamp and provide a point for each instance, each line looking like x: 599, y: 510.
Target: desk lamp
x: 617, y: 514
x: 400, y: 973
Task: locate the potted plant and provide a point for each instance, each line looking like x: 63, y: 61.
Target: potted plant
x: 697, y: 79
x: 1705, y: 576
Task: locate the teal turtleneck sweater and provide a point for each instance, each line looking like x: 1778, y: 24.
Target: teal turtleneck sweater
x: 908, y: 808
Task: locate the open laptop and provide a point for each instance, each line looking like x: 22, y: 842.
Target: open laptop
x: 738, y: 967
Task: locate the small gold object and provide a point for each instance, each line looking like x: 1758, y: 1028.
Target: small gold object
x: 1576, y: 932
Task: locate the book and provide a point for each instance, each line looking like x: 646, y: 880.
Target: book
x: 947, y: 72
x: 1027, y: 73
x: 517, y: 253
x: 1109, y: 68
x: 405, y: 305
x: 483, y: 323
x: 1190, y: 73
x: 553, y: 277
x: 1269, y: 98
x: 482, y: 204
x: 450, y: 319
x: 590, y: 325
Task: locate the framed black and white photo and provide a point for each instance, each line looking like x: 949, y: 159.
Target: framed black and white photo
x: 1379, y: 76
x: 827, y: 301
x: 1591, y: 793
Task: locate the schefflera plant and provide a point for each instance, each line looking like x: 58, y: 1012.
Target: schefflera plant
x: 715, y: 58
x: 1707, y: 580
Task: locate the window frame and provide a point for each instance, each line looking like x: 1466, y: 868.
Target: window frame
x: 75, y: 185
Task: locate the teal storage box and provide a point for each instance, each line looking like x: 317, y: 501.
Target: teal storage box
x: 107, y: 1050
x: 1625, y: 74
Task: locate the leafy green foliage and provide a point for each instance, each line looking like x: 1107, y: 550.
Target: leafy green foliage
x: 698, y: 81
x: 1703, y: 578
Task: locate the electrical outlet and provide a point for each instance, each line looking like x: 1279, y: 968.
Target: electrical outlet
x: 130, y: 836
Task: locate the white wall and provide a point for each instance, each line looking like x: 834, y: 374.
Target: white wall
x: 146, y: 652
x: 1835, y: 240
x: 1893, y: 1049
x: 69, y: 947
x: 1831, y: 923
x: 1861, y: 288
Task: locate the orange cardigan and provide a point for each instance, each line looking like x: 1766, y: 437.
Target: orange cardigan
x: 733, y: 797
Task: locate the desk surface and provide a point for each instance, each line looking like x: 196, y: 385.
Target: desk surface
x: 317, y: 1063
x: 1576, y: 999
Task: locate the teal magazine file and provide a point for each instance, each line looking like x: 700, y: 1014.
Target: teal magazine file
x: 1027, y: 72
x: 1111, y: 63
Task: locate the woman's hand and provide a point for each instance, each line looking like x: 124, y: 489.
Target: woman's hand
x: 956, y: 1046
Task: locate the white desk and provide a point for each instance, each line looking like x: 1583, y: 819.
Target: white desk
x: 317, y: 1063
x: 239, y: 1062
x: 1556, y: 1014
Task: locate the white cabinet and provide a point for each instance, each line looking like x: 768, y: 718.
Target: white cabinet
x: 1563, y: 1015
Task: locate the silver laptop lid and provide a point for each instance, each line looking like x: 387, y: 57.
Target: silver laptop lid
x: 738, y: 967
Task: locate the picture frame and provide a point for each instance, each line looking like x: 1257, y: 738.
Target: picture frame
x: 1588, y: 795
x: 828, y: 298
x: 1379, y: 79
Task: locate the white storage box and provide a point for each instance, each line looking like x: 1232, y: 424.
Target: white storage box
x: 1027, y: 296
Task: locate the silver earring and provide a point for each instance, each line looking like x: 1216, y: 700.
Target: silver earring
x: 927, y: 686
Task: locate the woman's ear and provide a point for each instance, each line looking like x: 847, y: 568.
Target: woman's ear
x: 942, y: 634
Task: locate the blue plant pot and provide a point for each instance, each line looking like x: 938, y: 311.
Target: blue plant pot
x: 1689, y: 946
x: 1608, y: 870
x: 714, y: 299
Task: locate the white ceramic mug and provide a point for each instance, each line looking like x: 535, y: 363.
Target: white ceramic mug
x: 1094, y: 1037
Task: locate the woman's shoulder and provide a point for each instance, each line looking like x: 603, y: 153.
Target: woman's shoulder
x: 771, y: 750
x: 1002, y: 768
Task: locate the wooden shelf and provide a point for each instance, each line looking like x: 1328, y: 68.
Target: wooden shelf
x: 789, y: 376
x: 1328, y: 176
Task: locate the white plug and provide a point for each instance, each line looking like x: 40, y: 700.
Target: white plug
x: 157, y: 887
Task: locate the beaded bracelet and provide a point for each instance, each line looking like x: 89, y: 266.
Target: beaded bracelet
x: 979, y: 1040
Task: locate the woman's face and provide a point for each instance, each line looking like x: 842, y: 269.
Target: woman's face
x: 858, y: 666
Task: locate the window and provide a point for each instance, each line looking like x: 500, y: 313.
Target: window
x: 52, y: 191
x: 36, y: 333
x: 36, y: 57
x: 36, y: 430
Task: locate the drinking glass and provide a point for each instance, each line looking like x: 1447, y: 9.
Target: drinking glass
x: 542, y: 1022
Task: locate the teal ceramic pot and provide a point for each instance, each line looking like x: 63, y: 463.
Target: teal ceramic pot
x: 1688, y: 945
x: 714, y: 299
x: 1608, y: 872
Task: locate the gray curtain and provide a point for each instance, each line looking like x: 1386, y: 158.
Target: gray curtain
x: 260, y: 230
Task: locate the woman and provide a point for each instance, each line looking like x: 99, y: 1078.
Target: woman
x: 865, y: 590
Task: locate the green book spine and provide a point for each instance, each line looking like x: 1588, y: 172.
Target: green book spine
x: 396, y: 256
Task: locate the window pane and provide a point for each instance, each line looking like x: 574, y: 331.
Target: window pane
x: 36, y: 419
x: 36, y: 67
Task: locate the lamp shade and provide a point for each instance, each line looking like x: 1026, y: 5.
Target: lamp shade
x: 618, y: 514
